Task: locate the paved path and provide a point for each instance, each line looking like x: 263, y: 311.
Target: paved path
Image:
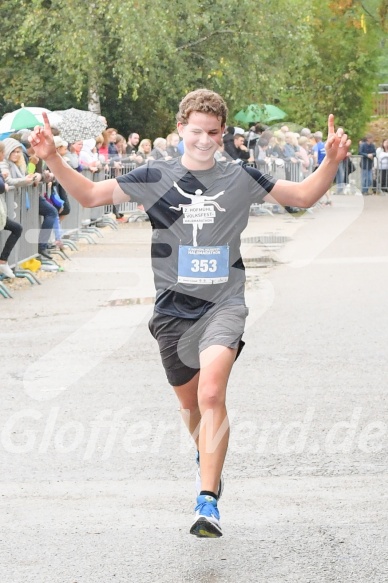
x: 97, y: 472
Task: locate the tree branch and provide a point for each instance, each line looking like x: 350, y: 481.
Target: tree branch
x: 204, y: 38
x: 367, y: 12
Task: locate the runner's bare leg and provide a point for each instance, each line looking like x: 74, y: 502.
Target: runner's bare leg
x: 216, y: 363
x: 188, y: 399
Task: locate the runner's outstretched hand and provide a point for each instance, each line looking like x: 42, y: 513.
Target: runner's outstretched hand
x: 41, y: 139
x: 337, y: 144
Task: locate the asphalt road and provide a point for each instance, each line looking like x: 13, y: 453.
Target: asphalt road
x: 97, y: 481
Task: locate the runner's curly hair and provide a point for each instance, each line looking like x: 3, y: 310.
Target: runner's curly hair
x: 203, y: 101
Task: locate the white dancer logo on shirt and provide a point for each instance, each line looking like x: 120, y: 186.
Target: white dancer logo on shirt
x: 198, y: 212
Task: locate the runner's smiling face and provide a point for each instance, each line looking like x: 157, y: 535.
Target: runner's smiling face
x: 202, y: 136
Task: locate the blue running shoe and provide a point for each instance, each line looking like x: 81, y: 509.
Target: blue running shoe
x: 207, y: 518
x: 198, y: 483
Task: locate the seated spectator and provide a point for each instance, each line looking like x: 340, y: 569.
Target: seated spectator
x: 18, y: 178
x: 6, y: 224
x: 159, y: 151
x: 236, y: 149
x: 172, y: 142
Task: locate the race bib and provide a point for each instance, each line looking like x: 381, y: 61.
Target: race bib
x: 203, y: 265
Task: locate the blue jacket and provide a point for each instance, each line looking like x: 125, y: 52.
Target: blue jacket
x: 365, y: 149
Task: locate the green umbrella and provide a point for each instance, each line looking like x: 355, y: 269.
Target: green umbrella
x: 260, y: 113
x: 20, y: 119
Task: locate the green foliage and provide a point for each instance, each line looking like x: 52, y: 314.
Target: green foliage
x: 140, y: 58
x: 341, y: 73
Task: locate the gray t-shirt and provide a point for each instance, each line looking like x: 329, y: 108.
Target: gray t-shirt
x: 197, y: 218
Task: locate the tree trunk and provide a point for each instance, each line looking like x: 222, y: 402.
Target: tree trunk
x: 94, y: 100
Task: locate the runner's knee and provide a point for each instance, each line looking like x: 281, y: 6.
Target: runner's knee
x: 210, y: 396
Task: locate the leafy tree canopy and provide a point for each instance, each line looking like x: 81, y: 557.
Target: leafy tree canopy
x: 137, y: 59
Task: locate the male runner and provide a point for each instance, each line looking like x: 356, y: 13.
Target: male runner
x: 198, y: 208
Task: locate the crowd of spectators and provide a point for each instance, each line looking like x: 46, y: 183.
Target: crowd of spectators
x: 261, y: 146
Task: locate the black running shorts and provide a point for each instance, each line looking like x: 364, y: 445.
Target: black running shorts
x: 181, y: 340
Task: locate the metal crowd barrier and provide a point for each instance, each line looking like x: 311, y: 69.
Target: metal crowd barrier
x: 382, y: 176
x: 130, y: 208
x: 80, y: 219
x: 349, y: 175
x: 23, y: 207
x: 23, y: 203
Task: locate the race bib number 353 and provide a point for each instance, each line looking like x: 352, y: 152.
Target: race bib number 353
x: 203, y: 265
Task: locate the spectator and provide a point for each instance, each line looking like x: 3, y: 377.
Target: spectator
x: 127, y: 150
x: 251, y: 137
x: 102, y: 144
x: 159, y: 151
x: 121, y: 146
x: 219, y: 154
x: 382, y: 158
x: 181, y: 148
x: 144, y: 150
x: 72, y: 155
x: 61, y: 146
x: 262, y: 154
x: 277, y: 148
x: 236, y: 149
x: 88, y: 156
x: 112, y: 149
x: 291, y: 147
x: 114, y: 161
x: 306, y: 133
x: 132, y: 143
x: 304, y: 156
x: 228, y: 135
x: 6, y: 224
x: 19, y: 178
x: 17, y: 166
x: 319, y: 151
x: 367, y: 152
x: 32, y: 161
x: 172, y: 142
